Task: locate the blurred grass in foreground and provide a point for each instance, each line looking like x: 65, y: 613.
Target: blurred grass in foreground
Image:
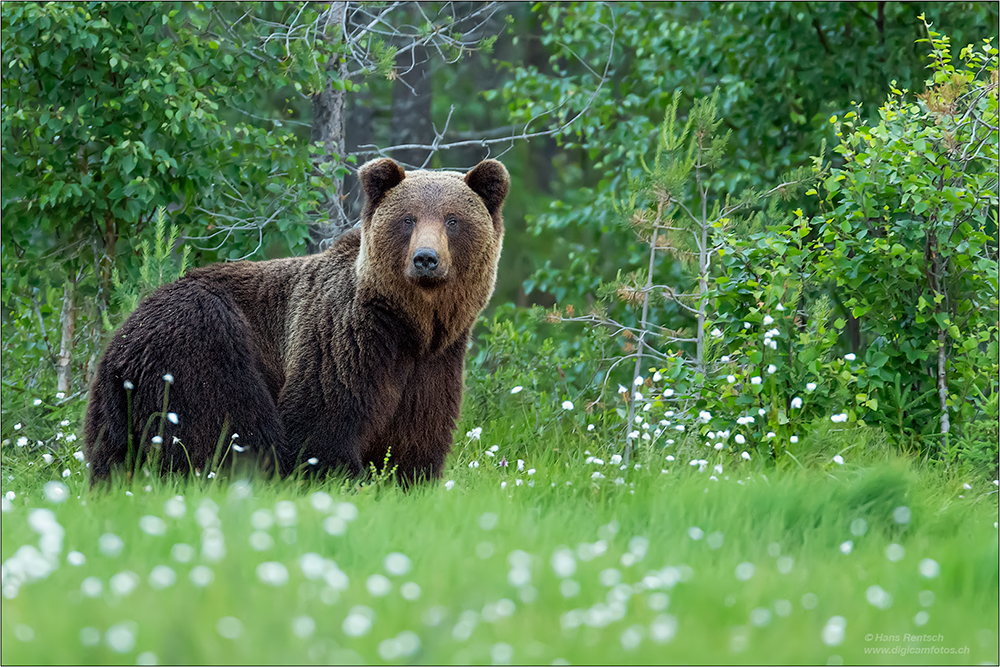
x: 753, y: 564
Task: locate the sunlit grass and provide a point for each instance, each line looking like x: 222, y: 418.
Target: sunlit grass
x: 536, y: 561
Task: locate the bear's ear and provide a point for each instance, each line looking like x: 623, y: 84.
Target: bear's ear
x: 489, y: 179
x: 377, y: 178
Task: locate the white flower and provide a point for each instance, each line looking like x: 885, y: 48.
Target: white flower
x: 449, y: 485
x: 747, y: 325
x: 272, y: 573
x: 531, y: 471
x: 810, y: 386
x: 622, y: 389
x: 241, y: 449
x: 669, y: 457
x: 56, y: 492
x: 705, y: 416
x: 590, y: 427
x: 796, y: 403
x: 718, y: 446
x: 770, y: 434
x: 637, y: 396
x: 517, y: 389
x: 37, y: 401
x: 17, y: 426
x: 746, y: 456
x: 715, y: 333
x: 172, y: 417
x: 771, y: 368
x: 794, y: 439
x: 838, y: 459
x: 520, y: 464
x: 474, y: 464
x: 128, y: 385
x: 718, y: 468
x: 567, y: 405
x: 773, y: 333
x: 66, y: 473
x: 638, y: 380
x: 771, y: 344
x: 313, y: 461
x: 168, y: 378
x: 667, y: 393
x: 495, y: 448
x: 768, y: 320
x: 657, y: 377
x: 22, y: 441
x: 725, y: 359
x: 632, y: 435
x: 731, y: 379
x: 838, y: 419
x: 755, y: 380
x: 156, y: 440
x: 740, y: 439
x: 597, y: 475
x: 615, y: 459
x: 475, y: 433
x: 929, y: 568
x: 779, y: 307
x: 47, y: 458
x: 850, y: 356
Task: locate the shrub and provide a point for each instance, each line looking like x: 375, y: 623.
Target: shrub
x: 910, y: 241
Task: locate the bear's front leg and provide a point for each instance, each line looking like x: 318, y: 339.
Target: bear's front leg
x: 422, y: 429
x: 329, y: 431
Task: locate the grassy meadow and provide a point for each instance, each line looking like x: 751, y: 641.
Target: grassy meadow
x: 562, y: 557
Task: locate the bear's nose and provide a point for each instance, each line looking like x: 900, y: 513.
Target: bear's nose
x: 425, y: 261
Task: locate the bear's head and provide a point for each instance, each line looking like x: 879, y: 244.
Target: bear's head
x: 430, y: 241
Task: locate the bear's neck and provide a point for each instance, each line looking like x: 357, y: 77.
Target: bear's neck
x: 429, y: 321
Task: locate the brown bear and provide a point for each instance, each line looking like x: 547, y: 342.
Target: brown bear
x: 328, y: 359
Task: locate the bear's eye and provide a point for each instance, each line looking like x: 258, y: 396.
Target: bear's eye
x: 451, y: 223
x: 408, y: 221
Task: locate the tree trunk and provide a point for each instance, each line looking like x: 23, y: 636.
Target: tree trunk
x: 359, y: 132
x: 942, y: 382
x: 328, y: 131
x: 411, y: 104
x: 63, y: 364
x: 936, y: 272
x: 640, y: 343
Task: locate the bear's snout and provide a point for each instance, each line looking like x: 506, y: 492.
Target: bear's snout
x: 429, y: 261
x: 425, y: 262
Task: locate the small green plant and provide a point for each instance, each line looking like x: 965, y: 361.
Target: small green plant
x: 157, y: 267
x: 674, y: 209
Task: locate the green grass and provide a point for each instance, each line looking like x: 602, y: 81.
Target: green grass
x: 646, y: 591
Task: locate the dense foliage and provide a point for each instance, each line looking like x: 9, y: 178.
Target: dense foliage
x: 113, y: 111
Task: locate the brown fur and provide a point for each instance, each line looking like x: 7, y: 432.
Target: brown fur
x: 336, y: 356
